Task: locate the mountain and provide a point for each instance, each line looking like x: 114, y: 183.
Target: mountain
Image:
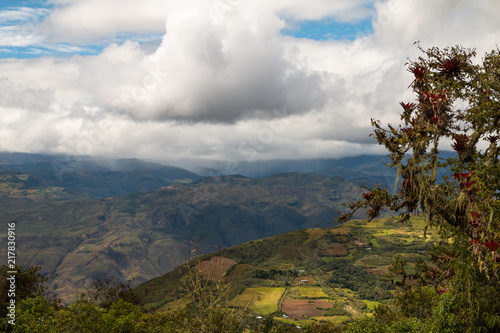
x: 13, y: 158
x: 362, y: 170
x: 306, y: 275
x: 97, y: 178
x: 261, y: 169
x: 142, y: 234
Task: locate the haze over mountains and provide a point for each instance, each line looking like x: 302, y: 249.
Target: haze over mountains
x: 87, y: 218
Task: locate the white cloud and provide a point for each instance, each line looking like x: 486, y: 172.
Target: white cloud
x: 22, y: 14
x: 20, y: 26
x: 87, y: 20
x: 224, y: 83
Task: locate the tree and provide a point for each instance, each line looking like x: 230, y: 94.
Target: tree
x: 109, y: 291
x: 28, y: 281
x: 24, y: 284
x: 457, y: 103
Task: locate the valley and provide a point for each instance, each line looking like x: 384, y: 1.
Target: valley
x: 92, y: 221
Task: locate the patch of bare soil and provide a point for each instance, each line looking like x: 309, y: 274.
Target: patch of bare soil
x: 300, y: 308
x: 380, y: 271
x: 336, y: 249
x: 215, y: 268
x: 359, y: 243
x: 339, y: 231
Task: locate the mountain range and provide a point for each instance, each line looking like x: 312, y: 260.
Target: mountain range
x: 84, y: 219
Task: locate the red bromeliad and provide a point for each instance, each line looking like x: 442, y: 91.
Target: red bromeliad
x: 492, y: 138
x: 451, y: 67
x: 461, y: 176
x: 475, y: 214
x: 408, y: 110
x: 492, y: 245
x: 460, y: 143
x: 443, y: 290
x: 419, y: 73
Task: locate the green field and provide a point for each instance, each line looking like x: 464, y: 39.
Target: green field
x: 370, y: 304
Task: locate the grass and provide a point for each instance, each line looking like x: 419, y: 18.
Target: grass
x: 370, y: 304
x: 343, y: 292
x: 304, y: 322
x: 178, y: 304
x: 315, y: 234
x: 297, y: 322
x: 262, y: 300
x: 327, y: 259
x: 334, y: 319
x: 310, y: 292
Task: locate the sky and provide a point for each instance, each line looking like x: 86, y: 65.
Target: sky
x: 230, y: 80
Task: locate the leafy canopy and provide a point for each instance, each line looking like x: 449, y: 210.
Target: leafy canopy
x: 457, y: 106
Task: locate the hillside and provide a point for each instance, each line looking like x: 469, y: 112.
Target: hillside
x: 141, y: 235
x: 307, y: 275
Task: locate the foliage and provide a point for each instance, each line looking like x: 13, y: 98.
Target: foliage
x: 323, y: 327
x: 355, y: 278
x: 415, y: 295
x: 338, y: 309
x: 29, y: 282
x: 109, y: 291
x: 457, y: 102
x: 403, y: 325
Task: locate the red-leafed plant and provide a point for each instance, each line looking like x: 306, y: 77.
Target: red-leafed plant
x: 459, y: 195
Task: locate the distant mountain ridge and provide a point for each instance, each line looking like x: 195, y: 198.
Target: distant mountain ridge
x: 141, y: 234
x: 261, y: 169
x: 85, y: 219
x: 97, y: 178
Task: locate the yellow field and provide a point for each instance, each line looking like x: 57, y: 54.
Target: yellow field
x: 263, y: 300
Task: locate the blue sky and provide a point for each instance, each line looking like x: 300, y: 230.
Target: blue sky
x: 329, y: 29
x: 24, y: 3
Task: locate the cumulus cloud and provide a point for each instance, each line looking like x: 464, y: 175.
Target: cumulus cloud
x: 224, y: 83
x: 86, y: 20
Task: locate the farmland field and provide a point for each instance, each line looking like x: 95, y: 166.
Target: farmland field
x: 308, y: 292
x: 262, y: 300
x: 300, y: 308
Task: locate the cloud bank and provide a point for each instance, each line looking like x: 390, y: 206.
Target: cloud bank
x: 223, y: 82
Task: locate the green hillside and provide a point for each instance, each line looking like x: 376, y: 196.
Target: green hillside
x: 308, y: 275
